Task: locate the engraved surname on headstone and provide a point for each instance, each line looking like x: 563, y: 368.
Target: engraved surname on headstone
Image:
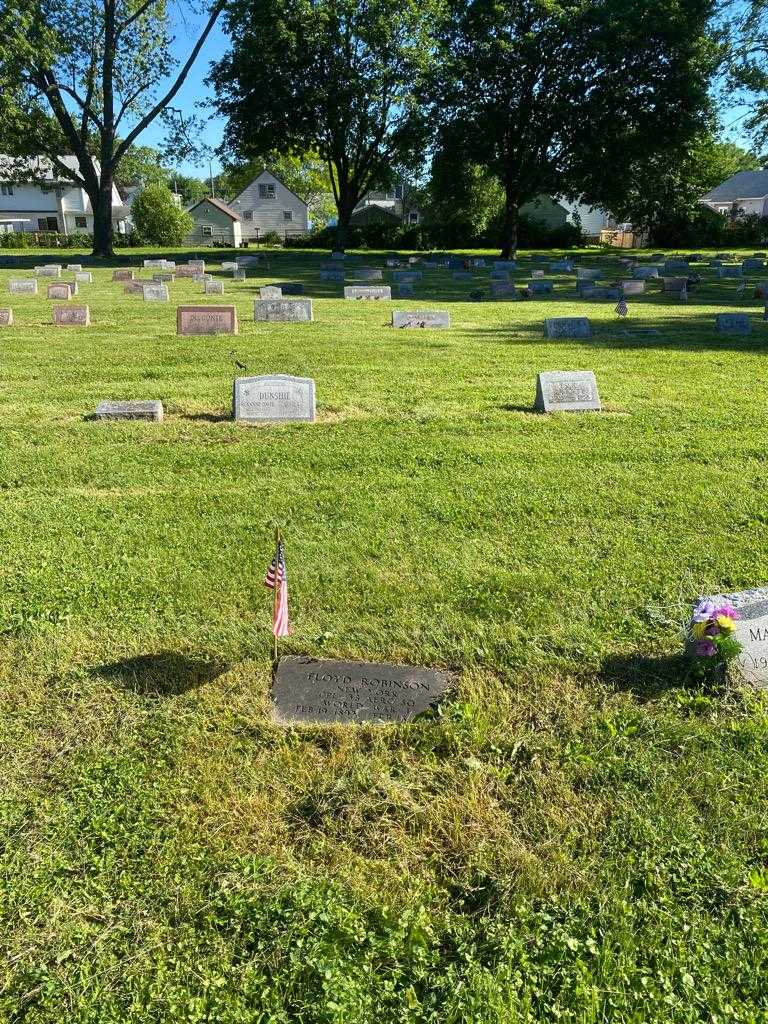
x: 122, y: 275
x: 22, y: 286
x: 361, y: 292
x: 311, y: 691
x: 282, y: 310
x: 206, y: 320
x: 633, y: 287
x: 130, y: 410
x: 273, y: 398
x: 421, y: 318
x: 733, y: 323
x: 6, y: 318
x: 84, y: 277
x: 751, y: 665
x: 71, y: 316
x: 214, y: 287
x: 567, y: 391
x: 155, y: 292
x: 567, y: 327
x: 270, y: 291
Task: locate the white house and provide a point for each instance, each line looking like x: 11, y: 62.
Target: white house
x: 39, y: 198
x: 743, y: 193
x: 386, y: 206
x: 266, y: 204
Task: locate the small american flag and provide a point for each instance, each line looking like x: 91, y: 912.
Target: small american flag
x: 621, y: 307
x: 277, y: 580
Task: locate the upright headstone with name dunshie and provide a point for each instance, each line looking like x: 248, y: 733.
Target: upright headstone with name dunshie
x: 273, y: 398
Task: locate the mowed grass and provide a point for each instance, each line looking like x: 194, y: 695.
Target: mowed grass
x: 579, y: 835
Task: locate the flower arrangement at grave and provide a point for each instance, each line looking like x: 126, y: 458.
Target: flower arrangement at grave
x: 714, y: 645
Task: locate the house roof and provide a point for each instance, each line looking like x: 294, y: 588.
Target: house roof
x: 219, y: 206
x: 742, y: 185
x: 40, y: 168
x: 280, y: 180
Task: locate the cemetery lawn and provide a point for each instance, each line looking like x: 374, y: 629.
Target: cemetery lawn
x: 579, y: 835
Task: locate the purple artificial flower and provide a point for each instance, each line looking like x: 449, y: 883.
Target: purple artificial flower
x: 705, y: 648
x: 704, y: 611
x: 712, y: 629
x: 726, y: 609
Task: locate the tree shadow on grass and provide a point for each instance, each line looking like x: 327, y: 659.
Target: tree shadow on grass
x: 166, y: 674
x: 646, y: 677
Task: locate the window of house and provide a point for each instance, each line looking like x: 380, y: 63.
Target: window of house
x: 413, y: 218
x: 81, y: 222
x: 47, y: 224
x: 287, y: 214
x: 398, y: 192
x: 207, y: 231
x: 266, y: 191
x: 6, y: 190
x: 247, y: 214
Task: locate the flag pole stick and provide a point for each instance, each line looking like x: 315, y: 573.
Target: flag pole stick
x: 278, y: 537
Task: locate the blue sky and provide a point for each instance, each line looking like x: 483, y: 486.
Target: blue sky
x: 196, y: 88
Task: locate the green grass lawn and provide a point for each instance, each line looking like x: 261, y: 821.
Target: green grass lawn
x: 580, y: 835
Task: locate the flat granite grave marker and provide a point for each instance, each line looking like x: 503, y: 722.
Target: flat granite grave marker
x: 71, y: 316
x: 74, y: 268
x: 134, y: 288
x: 84, y: 277
x: 6, y: 318
x: 567, y: 391
x: 567, y: 327
x: 294, y: 311
x: 541, y: 287
x: 270, y: 291
x: 733, y: 323
x: 47, y: 271
x: 332, y: 275
x: 206, y: 320
x: 273, y: 398
x: 122, y: 275
x: 155, y: 292
x: 132, y: 409
x: 726, y: 273
x: 186, y: 271
x: 421, y: 318
x: 361, y: 292
x: 289, y: 288
x: 164, y: 278
x: 633, y: 287
x: 586, y: 274
x: 645, y: 273
x: 214, y: 288
x: 368, y: 274
x: 312, y: 691
x: 600, y: 294
x: 22, y: 286
x: 406, y: 276
x: 405, y: 291
x: 561, y: 267
x: 751, y: 631
x: 504, y: 290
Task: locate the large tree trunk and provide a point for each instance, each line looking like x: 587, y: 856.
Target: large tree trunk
x: 509, y: 223
x: 102, y: 218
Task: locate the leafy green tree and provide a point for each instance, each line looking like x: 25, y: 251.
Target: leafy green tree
x: 337, y: 77
x: 141, y: 165
x: 305, y: 174
x: 190, y: 189
x: 158, y: 218
x: 87, y: 77
x: 557, y: 98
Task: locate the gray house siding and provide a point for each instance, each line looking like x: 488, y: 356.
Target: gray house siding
x: 273, y: 207
x: 212, y: 225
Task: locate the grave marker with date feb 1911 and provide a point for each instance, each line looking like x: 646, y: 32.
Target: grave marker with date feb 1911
x: 308, y: 691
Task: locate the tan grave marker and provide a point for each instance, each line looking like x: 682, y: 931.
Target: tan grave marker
x: 71, y: 316
x: 206, y: 320
x: 61, y: 290
x: 6, y: 318
x: 122, y: 275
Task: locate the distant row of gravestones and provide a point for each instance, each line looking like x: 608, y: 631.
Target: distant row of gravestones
x: 282, y: 398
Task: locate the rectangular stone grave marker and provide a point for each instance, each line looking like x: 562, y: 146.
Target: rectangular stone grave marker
x: 751, y: 665
x: 155, y: 292
x: 504, y: 290
x: 430, y: 265
x: 206, y: 320
x: 122, y: 275
x: 675, y: 285
x: 633, y: 287
x: 153, y: 264
x: 74, y: 268
x: 22, y: 286
x: 273, y: 398
x: 229, y: 265
x: 421, y: 318
x: 164, y: 278
x: 586, y: 274
x: 84, y: 277
x: 674, y: 267
x: 752, y: 264
x: 130, y: 410
x: 407, y: 276
x: 730, y: 272
x: 6, y: 318
x: 332, y: 275
x: 238, y: 275
x: 405, y: 291
x: 645, y: 273
x: 733, y: 323
x: 214, y: 287
x: 185, y: 271
x: 289, y: 287
x: 601, y: 294
x: 311, y: 691
x: 561, y: 267
x: 567, y: 327
x: 293, y: 311
x: 270, y: 291
x: 541, y: 287
x: 368, y: 274
x: 47, y: 271
x: 567, y: 391
x: 134, y: 288
x: 60, y: 290
x: 500, y: 275
x: 71, y: 316
x: 361, y: 292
